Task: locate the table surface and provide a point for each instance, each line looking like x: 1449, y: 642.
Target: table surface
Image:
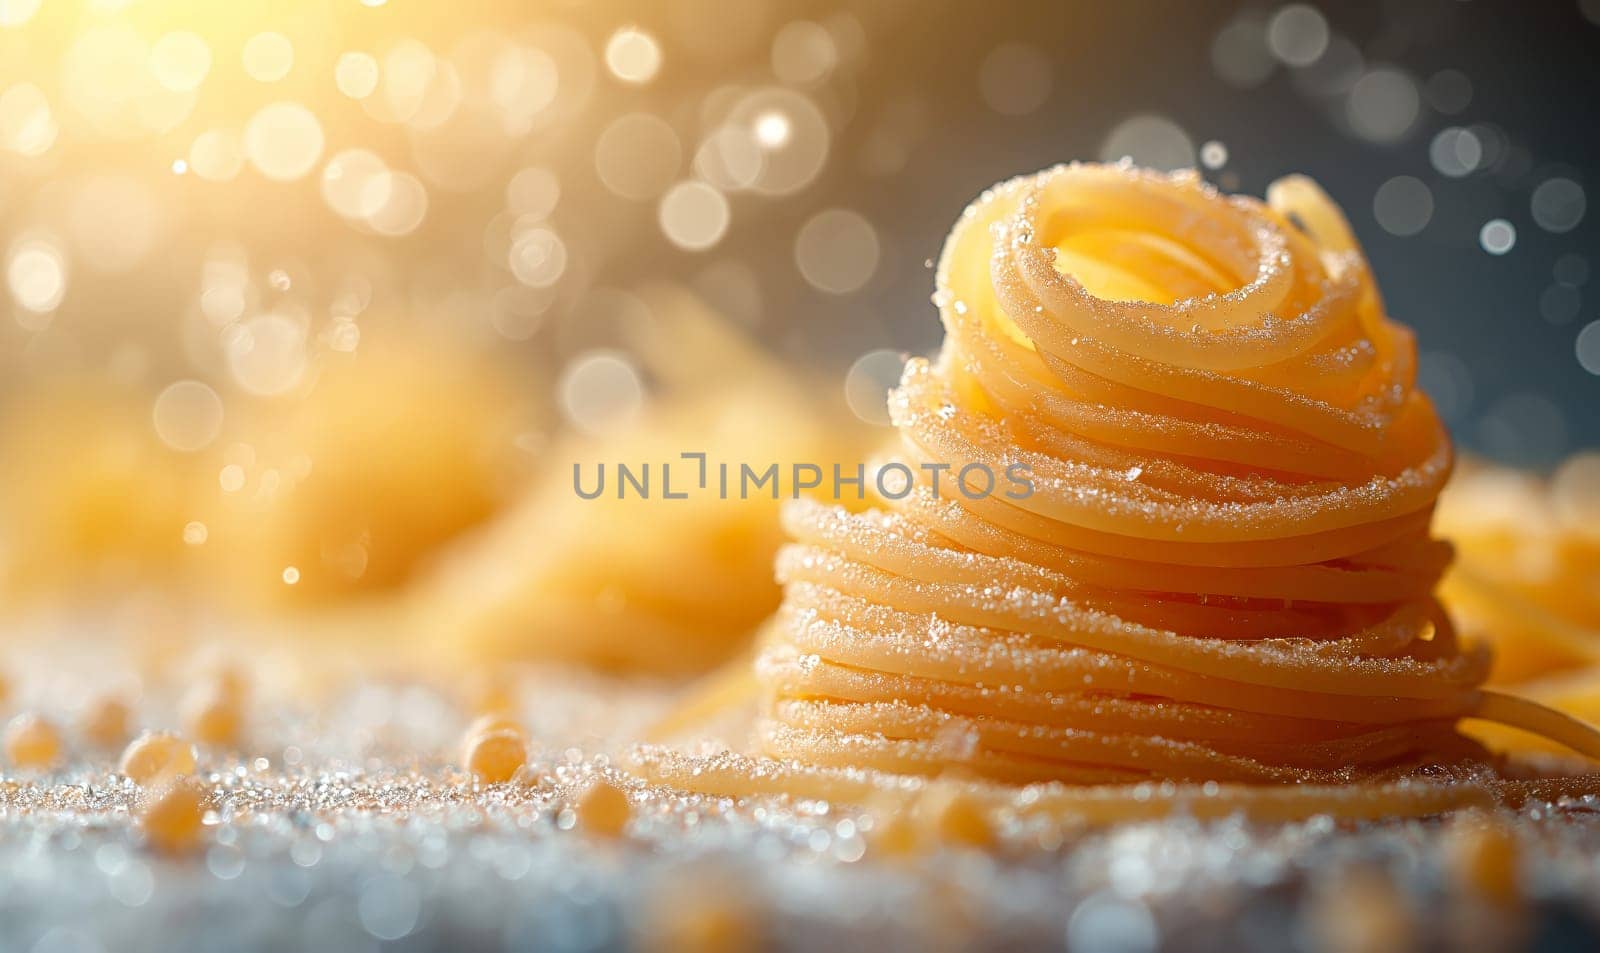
x: 343, y: 825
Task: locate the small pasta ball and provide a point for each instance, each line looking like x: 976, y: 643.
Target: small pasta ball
x: 174, y: 818
x: 1359, y: 911
x: 32, y: 742
x: 1483, y: 858
x: 707, y: 913
x: 212, y: 715
x: 495, y: 756
x: 602, y: 808
x: 157, y: 756
x: 105, y: 722
x: 955, y: 817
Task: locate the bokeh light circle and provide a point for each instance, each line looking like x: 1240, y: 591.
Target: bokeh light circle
x: 1383, y: 105
x: 1449, y: 91
x: 601, y: 391
x: 868, y: 382
x: 36, y: 273
x: 268, y: 57
x: 837, y: 251
x: 348, y: 183
x: 356, y: 74
x: 633, y: 55
x: 1403, y: 205
x: 1558, y: 205
x: 1297, y: 34
x: 1239, y: 52
x: 180, y: 60
x: 803, y: 53
x: 188, y: 415
x: 1455, y: 152
x: 538, y: 257
x: 267, y: 354
x: 216, y: 155
x: 1587, y: 347
x: 1154, y: 142
x: 283, y: 141
x: 730, y: 158
x: 1497, y: 236
x: 693, y: 215
x: 792, y: 134
x: 398, y: 203
x: 637, y: 156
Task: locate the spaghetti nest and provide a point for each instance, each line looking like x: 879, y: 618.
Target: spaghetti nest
x: 1221, y: 571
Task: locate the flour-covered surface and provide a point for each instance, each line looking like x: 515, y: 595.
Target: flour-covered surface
x: 346, y: 825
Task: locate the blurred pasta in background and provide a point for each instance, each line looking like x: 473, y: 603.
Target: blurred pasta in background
x: 384, y: 460
x: 1527, y: 578
x: 636, y: 581
x: 333, y: 498
x: 90, y: 495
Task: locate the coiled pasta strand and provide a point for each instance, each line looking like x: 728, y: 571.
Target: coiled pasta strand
x: 1223, y: 573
